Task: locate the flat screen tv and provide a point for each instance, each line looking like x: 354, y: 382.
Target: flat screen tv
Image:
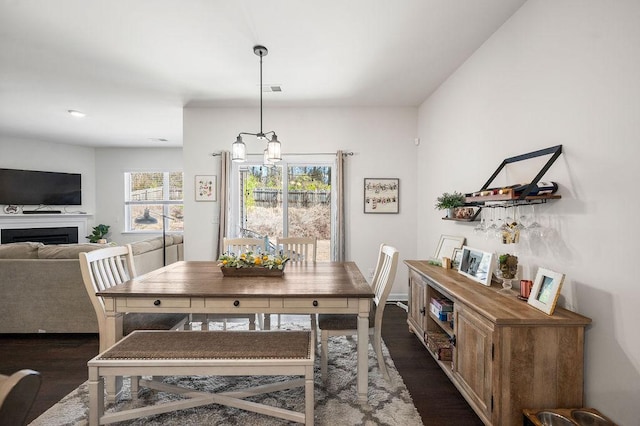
x: 30, y: 187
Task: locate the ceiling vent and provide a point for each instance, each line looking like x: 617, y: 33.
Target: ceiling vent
x: 272, y: 88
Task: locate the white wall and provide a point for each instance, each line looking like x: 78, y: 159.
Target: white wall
x: 111, y: 164
x: 381, y: 138
x: 558, y: 72
x: 36, y: 155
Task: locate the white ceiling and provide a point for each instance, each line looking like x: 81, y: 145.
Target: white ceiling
x: 132, y: 65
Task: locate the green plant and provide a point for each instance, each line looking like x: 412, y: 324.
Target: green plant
x: 99, y: 233
x: 450, y: 200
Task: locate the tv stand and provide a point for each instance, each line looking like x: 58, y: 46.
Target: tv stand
x: 41, y: 211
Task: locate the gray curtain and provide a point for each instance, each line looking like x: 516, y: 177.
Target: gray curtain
x: 225, y: 176
x: 338, y: 252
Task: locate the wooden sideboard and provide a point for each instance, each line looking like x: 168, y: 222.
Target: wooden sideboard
x: 505, y: 354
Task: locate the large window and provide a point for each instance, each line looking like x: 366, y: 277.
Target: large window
x: 290, y: 199
x: 153, y: 199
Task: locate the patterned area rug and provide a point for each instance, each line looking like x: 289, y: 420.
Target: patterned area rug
x: 335, y: 403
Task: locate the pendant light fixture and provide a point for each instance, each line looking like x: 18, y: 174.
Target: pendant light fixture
x: 272, y: 153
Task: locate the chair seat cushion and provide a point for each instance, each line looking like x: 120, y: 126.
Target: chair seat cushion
x: 343, y: 322
x: 136, y: 321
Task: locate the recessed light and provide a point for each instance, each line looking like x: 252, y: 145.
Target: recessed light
x: 75, y: 113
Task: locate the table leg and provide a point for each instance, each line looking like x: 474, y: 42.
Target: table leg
x: 363, y: 355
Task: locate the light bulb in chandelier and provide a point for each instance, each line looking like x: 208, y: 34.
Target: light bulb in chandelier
x: 238, y: 150
x: 273, y: 149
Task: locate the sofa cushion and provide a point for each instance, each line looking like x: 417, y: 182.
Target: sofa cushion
x: 177, y: 238
x: 25, y: 250
x: 66, y: 251
x: 144, y: 246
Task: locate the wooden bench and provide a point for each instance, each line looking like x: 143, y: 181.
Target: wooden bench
x: 211, y: 353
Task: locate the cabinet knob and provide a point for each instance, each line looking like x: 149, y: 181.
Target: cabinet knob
x: 452, y: 340
x: 423, y: 310
x: 157, y: 302
x: 315, y: 303
x: 236, y: 303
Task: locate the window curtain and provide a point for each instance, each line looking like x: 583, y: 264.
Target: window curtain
x: 225, y: 176
x: 338, y: 237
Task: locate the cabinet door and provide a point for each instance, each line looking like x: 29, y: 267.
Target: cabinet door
x: 417, y: 308
x: 473, y: 357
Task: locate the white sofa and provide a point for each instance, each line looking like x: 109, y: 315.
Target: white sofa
x: 41, y: 288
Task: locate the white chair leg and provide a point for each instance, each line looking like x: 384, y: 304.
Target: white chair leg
x: 377, y: 346
x: 324, y: 352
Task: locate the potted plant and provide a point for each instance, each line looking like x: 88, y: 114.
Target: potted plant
x: 449, y: 201
x: 99, y: 233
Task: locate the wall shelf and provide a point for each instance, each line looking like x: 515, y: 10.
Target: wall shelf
x: 508, y: 197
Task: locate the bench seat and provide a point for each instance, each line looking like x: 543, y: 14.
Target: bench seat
x: 211, y: 353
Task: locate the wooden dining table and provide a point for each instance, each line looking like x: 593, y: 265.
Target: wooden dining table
x: 199, y: 287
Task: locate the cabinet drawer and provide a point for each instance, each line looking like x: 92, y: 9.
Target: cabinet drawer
x: 230, y: 302
x: 167, y: 302
x: 319, y: 303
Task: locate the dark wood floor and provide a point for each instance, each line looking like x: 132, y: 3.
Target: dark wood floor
x: 62, y: 362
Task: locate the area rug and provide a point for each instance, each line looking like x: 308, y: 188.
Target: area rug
x: 336, y: 403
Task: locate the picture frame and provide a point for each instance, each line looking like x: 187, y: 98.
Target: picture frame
x: 447, y: 244
x: 477, y: 265
x: 546, y: 290
x: 206, y: 187
x: 381, y: 195
x: 457, y: 258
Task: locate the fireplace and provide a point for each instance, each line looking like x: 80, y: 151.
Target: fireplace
x: 56, y: 235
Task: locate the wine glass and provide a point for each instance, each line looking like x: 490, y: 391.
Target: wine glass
x: 481, y: 228
x: 491, y: 229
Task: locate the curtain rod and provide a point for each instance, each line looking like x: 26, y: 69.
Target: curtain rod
x: 349, y: 153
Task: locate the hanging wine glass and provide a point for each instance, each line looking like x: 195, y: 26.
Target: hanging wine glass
x: 481, y: 228
x: 491, y: 229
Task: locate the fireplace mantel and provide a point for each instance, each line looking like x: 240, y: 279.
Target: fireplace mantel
x: 17, y: 221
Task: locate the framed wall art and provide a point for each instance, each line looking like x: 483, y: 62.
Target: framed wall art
x: 447, y: 245
x: 206, y: 188
x: 477, y: 265
x: 546, y: 290
x: 381, y: 195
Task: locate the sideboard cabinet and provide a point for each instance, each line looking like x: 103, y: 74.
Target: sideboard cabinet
x: 504, y: 355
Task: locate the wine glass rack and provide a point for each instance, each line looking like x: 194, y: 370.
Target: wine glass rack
x: 489, y: 197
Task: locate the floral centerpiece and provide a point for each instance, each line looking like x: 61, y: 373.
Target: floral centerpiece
x: 252, y: 264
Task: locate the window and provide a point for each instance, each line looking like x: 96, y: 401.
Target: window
x: 289, y: 199
x: 152, y: 198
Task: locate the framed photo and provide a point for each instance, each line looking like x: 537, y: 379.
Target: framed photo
x: 477, y: 265
x: 206, y: 188
x: 381, y: 195
x: 446, y: 246
x: 546, y: 290
x: 457, y: 258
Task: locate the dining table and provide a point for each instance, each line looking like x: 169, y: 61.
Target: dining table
x: 199, y: 287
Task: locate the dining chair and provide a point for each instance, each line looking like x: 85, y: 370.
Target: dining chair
x: 346, y: 325
x: 242, y: 245
x: 17, y: 393
x: 298, y: 249
x: 105, y: 268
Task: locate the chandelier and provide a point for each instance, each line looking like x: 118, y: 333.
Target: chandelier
x: 272, y: 153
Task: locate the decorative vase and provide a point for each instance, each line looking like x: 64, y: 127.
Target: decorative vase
x: 451, y: 213
x: 251, y: 272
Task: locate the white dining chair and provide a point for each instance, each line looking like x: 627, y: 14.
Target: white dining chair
x: 242, y: 245
x: 298, y: 249
x: 346, y: 325
x: 105, y: 268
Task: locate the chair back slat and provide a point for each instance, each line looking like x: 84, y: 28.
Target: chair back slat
x: 298, y: 249
x: 242, y: 245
